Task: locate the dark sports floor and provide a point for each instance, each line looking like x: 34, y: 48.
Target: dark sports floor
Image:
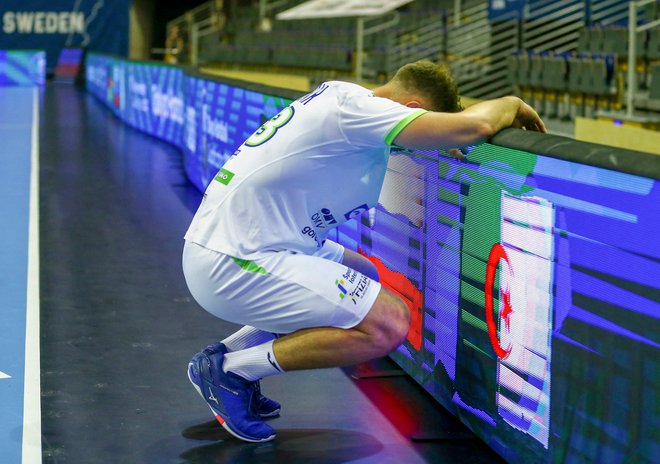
x: 118, y: 325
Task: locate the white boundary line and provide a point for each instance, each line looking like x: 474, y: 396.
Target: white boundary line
x: 32, y: 389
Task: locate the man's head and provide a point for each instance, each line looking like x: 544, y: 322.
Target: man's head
x: 423, y: 84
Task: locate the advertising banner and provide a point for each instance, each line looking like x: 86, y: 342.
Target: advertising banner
x: 167, y: 103
x: 537, y: 283
x: 138, y: 102
x: 104, y: 78
x: 219, y: 117
x: 194, y: 159
x: 51, y: 25
x: 96, y: 75
x: 22, y: 67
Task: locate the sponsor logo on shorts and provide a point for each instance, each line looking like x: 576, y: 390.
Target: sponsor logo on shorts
x: 352, y: 285
x: 355, y: 212
x: 360, y: 288
x: 323, y: 218
x: 350, y: 275
x: 224, y: 176
x: 342, y: 290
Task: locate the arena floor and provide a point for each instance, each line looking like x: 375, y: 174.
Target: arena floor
x: 118, y: 325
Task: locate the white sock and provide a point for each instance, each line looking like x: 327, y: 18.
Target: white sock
x: 253, y: 363
x: 247, y: 337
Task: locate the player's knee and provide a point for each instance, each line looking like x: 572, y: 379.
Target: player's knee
x: 395, y: 330
x: 401, y: 323
x: 387, y: 323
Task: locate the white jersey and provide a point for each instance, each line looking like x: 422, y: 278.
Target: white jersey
x: 320, y: 162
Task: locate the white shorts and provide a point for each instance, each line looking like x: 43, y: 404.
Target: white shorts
x: 282, y: 291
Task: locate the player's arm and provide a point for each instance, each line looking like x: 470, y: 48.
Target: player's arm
x: 435, y: 130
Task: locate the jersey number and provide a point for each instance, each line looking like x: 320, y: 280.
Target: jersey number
x: 270, y: 127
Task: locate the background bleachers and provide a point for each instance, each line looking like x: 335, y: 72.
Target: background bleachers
x: 592, y: 77
x: 568, y: 56
x: 326, y: 44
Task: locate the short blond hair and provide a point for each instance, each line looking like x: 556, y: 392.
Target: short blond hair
x: 433, y: 82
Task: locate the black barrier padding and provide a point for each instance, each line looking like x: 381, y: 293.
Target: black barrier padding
x: 246, y: 85
x: 603, y: 156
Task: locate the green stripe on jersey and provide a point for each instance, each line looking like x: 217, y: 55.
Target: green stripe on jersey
x: 396, y: 130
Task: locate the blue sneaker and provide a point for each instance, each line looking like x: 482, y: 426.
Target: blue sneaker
x: 263, y: 405
x: 229, y: 397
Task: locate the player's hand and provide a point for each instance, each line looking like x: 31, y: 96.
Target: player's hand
x: 456, y: 153
x: 528, y: 119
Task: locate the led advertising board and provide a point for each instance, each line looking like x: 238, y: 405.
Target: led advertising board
x: 219, y: 117
x: 22, y: 67
x: 533, y: 285
x: 155, y: 100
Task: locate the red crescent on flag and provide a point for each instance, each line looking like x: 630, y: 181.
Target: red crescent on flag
x: 497, y: 253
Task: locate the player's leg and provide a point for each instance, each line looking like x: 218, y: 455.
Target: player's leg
x: 356, y: 320
x: 232, y: 399
x: 227, y: 373
x: 247, y: 337
x: 345, y: 316
x: 293, y: 291
x: 381, y: 331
